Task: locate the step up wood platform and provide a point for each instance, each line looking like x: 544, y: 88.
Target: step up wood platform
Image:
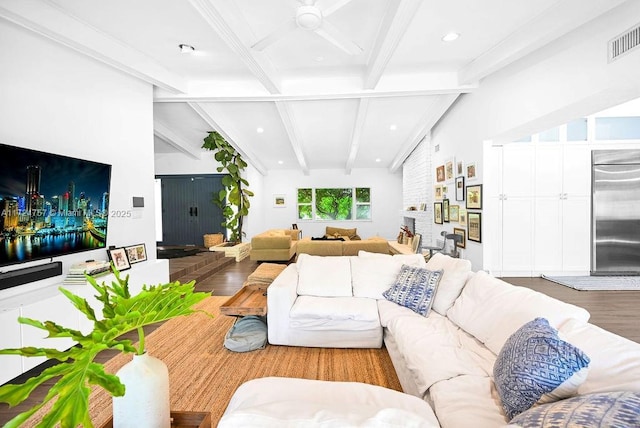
x: 198, y: 267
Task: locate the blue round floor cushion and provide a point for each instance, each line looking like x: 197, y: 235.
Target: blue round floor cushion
x: 607, y: 409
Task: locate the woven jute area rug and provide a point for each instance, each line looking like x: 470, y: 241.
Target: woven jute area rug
x: 204, y: 375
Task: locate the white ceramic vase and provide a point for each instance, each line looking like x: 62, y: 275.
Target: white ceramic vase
x: 145, y: 403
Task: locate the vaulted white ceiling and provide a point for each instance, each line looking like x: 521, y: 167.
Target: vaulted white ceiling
x: 324, y: 98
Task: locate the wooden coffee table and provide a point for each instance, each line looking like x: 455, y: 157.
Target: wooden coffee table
x: 251, y: 299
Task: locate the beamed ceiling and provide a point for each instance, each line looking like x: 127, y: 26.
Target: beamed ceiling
x: 359, y: 88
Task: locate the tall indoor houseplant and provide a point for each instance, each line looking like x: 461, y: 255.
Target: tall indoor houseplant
x: 233, y: 199
x: 121, y: 313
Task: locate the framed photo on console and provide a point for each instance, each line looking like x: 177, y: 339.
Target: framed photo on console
x: 136, y: 253
x: 119, y: 258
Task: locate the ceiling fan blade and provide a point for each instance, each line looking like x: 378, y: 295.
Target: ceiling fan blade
x: 335, y: 6
x: 337, y: 38
x: 275, y: 35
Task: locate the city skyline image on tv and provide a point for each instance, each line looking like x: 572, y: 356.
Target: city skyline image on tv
x: 50, y: 205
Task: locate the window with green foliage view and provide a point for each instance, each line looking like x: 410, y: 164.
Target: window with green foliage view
x: 334, y: 204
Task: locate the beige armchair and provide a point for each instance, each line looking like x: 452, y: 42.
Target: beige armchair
x: 274, y: 245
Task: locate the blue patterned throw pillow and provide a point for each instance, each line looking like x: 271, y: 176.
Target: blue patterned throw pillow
x: 536, y: 366
x: 606, y: 409
x: 414, y: 288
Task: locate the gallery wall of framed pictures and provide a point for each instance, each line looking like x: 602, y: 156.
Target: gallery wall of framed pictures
x: 460, y: 178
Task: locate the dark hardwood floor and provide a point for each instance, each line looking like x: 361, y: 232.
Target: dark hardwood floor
x: 616, y: 311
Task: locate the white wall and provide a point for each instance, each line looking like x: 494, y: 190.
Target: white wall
x: 554, y: 85
x: 386, y: 200
x: 55, y: 100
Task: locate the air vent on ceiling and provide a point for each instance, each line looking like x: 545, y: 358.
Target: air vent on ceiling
x: 624, y: 43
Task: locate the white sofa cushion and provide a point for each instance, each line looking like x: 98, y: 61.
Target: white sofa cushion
x: 435, y: 349
x: 373, y: 276
x: 492, y: 310
x: 324, y: 276
x: 456, y: 273
x: 467, y: 401
x: 290, y: 402
x: 334, y: 313
x: 535, y: 366
x: 615, y: 361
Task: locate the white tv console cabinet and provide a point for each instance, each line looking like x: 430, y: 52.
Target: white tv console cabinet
x: 48, y: 304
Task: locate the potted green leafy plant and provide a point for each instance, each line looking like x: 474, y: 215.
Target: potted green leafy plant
x: 233, y: 199
x: 121, y: 313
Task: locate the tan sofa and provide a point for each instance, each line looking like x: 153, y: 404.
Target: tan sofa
x: 274, y: 245
x: 342, y: 248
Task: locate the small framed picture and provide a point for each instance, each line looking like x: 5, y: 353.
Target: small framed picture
x: 474, y: 197
x: 445, y: 210
x: 136, y: 253
x: 462, y: 217
x: 118, y: 256
x: 472, y: 174
x: 437, y: 212
x: 460, y: 188
x: 463, y: 233
x: 459, y: 168
x: 440, y: 176
x: 437, y: 191
x: 474, y: 227
x: 279, y: 201
x: 448, y: 169
x: 454, y: 212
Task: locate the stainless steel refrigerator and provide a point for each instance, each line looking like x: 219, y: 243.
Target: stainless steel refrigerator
x: 615, y: 214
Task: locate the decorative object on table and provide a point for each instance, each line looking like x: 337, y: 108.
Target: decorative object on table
x: 294, y: 226
x: 463, y: 234
x: 121, y: 313
x: 445, y: 210
x: 460, y: 189
x: 279, y: 201
x: 78, y: 271
x: 415, y: 243
x: 136, y: 253
x: 474, y: 197
x: 454, y: 212
x: 474, y: 227
x: 440, y: 173
x: 212, y: 239
x: 234, y: 198
x: 437, y: 212
x: 118, y: 256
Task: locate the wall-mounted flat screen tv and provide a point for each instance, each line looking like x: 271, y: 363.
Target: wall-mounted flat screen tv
x: 50, y: 205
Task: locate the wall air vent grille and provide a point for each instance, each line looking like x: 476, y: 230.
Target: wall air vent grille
x: 624, y: 43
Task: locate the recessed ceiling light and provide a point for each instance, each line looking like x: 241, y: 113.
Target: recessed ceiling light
x: 378, y: 160
x: 450, y: 37
x: 259, y: 130
x: 393, y: 127
x: 186, y: 48
x: 280, y: 162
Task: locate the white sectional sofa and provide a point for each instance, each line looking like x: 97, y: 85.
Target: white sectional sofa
x: 448, y: 357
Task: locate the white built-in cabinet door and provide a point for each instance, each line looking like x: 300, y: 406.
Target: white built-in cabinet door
x: 539, y: 212
x: 57, y: 309
x: 10, y: 365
